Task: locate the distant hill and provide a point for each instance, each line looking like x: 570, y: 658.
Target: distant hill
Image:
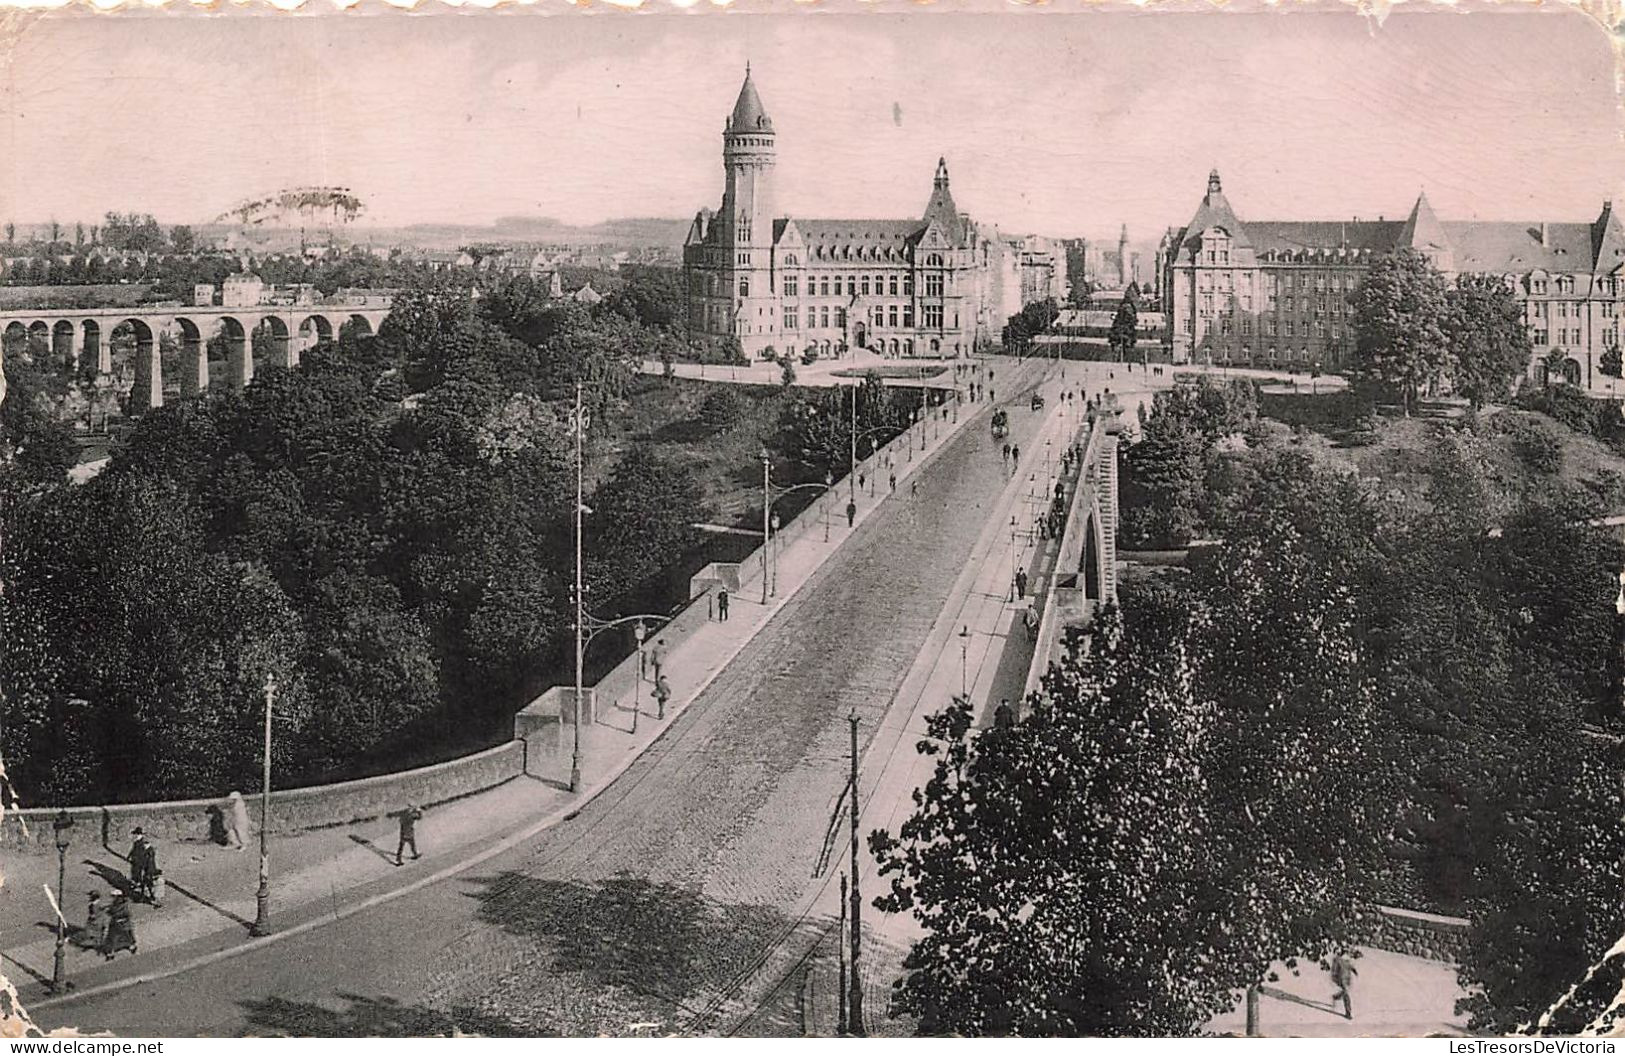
x: 628, y: 233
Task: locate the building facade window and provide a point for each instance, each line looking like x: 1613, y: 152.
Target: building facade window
x: 791, y: 319
x: 933, y: 284
x: 932, y: 316
x: 744, y: 285
x: 792, y: 285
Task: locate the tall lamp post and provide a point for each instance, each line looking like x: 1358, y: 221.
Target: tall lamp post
x: 1012, y: 557
x: 773, y: 542
x: 767, y: 513
x: 262, y: 896
x: 61, y: 826
x: 964, y: 658
x: 829, y: 482
x: 640, y: 632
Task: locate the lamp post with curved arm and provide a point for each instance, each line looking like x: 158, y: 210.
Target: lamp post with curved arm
x: 591, y: 627
x: 771, y: 493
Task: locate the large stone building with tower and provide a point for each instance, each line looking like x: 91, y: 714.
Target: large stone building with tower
x: 1277, y: 292
x: 937, y: 285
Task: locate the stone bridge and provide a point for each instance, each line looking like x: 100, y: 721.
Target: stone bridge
x: 1086, y: 560
x: 86, y: 334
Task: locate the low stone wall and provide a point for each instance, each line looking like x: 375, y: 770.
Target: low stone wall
x: 292, y: 810
x: 1427, y: 935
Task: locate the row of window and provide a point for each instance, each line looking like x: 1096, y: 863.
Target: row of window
x: 1272, y: 328
x: 1574, y: 335
x: 1319, y: 305
x: 1566, y: 309
x: 1272, y: 282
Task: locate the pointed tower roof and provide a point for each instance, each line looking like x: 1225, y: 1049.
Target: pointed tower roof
x: 749, y: 114
x: 1214, y: 211
x: 941, y: 207
x: 1608, y: 235
x: 1423, y: 229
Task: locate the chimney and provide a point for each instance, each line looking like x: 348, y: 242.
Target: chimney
x: 1545, y: 234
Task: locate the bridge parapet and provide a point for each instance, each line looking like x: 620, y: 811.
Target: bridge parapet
x: 1086, y: 557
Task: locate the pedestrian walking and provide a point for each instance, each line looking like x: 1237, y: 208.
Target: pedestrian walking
x: 662, y: 692
x: 992, y: 396
x: 156, y: 888
x: 1030, y: 620
x: 236, y: 818
x: 409, y: 832
x: 1343, y: 974
x: 1006, y: 452
x: 851, y: 513
x: 1015, y: 454
x: 120, y: 934
x: 861, y: 478
x: 142, y: 861
x: 94, y: 934
x: 657, y: 657
x: 894, y: 482
x: 722, y: 604
x: 1004, y: 716
x: 913, y: 487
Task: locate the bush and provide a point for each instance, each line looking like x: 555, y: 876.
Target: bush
x: 787, y: 376
x: 721, y: 408
x: 1536, y: 447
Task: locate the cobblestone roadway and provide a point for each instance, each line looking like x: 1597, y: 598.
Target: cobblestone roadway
x: 634, y: 915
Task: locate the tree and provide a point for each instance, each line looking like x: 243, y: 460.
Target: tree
x: 78, y: 234
x: 1489, y: 343
x: 1065, y: 870
x: 1610, y: 361
x: 182, y: 239
x: 1401, y: 315
x: 1125, y: 325
x: 787, y: 372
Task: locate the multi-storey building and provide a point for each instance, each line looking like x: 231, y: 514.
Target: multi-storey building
x: 1278, y: 292
x: 938, y: 285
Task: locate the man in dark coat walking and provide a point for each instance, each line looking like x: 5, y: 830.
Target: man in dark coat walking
x: 409, y: 832
x: 1021, y: 582
x: 722, y: 604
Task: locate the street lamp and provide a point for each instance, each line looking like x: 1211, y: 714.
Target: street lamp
x: 964, y: 657
x: 767, y: 511
x: 640, y: 632
x: 262, y: 896
x: 61, y: 826
x: 829, y: 482
x: 578, y: 426
x: 1012, y: 557
x: 773, y: 542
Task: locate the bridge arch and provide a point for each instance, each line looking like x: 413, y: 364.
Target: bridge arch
x: 96, y: 346
x: 1091, y: 563
x: 194, y: 357
x: 62, y: 343
x: 239, y: 350
x: 360, y: 325
x: 147, y: 391
x: 15, y: 338
x: 316, y: 329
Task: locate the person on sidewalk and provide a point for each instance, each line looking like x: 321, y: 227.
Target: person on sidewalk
x: 1343, y: 974
x: 657, y: 657
x: 1021, y: 583
x: 1015, y: 456
x: 236, y: 818
x: 1030, y: 619
x: 120, y: 933
x: 409, y: 833
x: 894, y: 482
x: 141, y: 862
x: 662, y: 692
x: 94, y: 935
x: 155, y: 891
x: 851, y: 513
x: 1004, y: 716
x: 861, y: 478
x: 1006, y: 454
x: 914, y: 487
x: 722, y: 604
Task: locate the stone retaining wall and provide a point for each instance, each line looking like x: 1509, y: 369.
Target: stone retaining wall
x: 292, y: 810
x: 1419, y: 934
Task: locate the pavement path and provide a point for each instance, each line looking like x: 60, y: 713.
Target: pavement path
x: 644, y: 907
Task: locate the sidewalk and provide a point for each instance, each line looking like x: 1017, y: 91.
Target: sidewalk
x: 1394, y: 995
x: 211, y: 892
x: 817, y: 374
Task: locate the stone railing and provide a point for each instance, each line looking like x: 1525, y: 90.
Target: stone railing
x: 292, y: 810
x: 1066, y: 602
x: 1429, y: 935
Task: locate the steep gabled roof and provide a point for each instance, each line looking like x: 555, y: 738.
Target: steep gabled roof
x: 1214, y: 211
x: 1608, y: 236
x: 941, y: 206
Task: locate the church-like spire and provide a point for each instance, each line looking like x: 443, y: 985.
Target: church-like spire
x: 1422, y: 229
x: 1213, y: 184
x: 749, y: 114
x: 941, y: 206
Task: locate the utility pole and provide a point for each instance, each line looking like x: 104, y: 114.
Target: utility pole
x: 855, y: 1002
x: 767, y: 505
x: 262, y: 896
x: 840, y: 953
x: 852, y: 473
x: 575, y: 751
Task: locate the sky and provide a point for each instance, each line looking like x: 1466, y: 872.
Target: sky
x: 1063, y: 124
